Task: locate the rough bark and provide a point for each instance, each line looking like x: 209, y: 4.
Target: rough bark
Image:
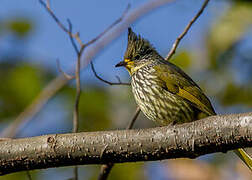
x: 213, y: 134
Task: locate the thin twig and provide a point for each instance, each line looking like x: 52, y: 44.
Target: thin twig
x: 106, y: 168
x: 75, y: 172
x: 68, y: 31
x: 133, y: 120
x: 67, y: 76
x: 77, y: 77
x: 77, y: 51
x: 48, y: 4
x: 49, y: 10
x: 176, y: 43
x: 77, y: 99
x: 105, y: 81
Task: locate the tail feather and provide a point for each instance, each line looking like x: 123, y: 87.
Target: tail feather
x: 244, y: 157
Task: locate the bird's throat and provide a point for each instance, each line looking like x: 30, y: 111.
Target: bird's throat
x: 133, y: 69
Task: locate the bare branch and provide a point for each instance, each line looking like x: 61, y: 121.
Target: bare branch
x: 105, y: 170
x: 67, y: 76
x: 48, y: 4
x: 105, y: 81
x: 189, y: 25
x: 77, y: 76
x: 71, y: 37
x: 118, y: 79
x: 77, y: 99
x: 49, y: 10
x: 219, y: 133
x: 130, y: 126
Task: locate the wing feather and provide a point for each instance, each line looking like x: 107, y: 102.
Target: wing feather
x: 179, y: 83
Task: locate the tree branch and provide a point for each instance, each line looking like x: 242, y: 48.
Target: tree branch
x: 190, y: 140
x: 189, y: 25
x: 104, y: 80
x: 106, y: 168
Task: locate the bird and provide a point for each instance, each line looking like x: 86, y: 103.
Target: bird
x: 164, y: 92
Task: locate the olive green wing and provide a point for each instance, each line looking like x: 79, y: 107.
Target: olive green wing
x: 179, y: 83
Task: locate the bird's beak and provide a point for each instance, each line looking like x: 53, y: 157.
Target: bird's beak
x: 122, y: 63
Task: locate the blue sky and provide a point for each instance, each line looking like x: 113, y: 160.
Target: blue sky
x: 48, y: 42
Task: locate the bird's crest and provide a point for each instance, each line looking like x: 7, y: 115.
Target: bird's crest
x: 137, y: 45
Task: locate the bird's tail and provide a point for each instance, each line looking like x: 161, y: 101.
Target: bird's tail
x: 244, y: 157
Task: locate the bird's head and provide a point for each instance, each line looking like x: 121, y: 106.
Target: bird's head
x: 138, y: 54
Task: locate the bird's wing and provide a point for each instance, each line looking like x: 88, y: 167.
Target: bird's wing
x: 179, y: 83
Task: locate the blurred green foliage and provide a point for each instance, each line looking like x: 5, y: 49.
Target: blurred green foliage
x: 236, y: 94
x: 228, y: 30
x: 128, y: 171
x: 94, y: 107
x: 223, y: 41
x: 21, y: 27
x: 21, y: 82
x: 182, y: 59
x: 20, y: 176
x: 124, y: 171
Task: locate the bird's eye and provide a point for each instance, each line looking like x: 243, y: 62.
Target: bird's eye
x: 137, y: 57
